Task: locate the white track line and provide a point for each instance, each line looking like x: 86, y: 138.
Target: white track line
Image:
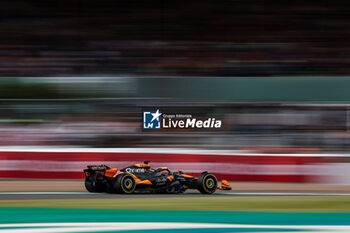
x: 122, y: 226
x: 285, y: 194
x: 218, y: 193
x: 49, y: 193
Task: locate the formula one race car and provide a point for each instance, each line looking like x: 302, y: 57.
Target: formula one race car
x: 141, y: 178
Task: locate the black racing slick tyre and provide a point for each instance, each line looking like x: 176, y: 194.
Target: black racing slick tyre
x: 124, y: 183
x: 93, y: 188
x: 207, y: 183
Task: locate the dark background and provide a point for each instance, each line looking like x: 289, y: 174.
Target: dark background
x: 220, y: 38
x: 79, y: 73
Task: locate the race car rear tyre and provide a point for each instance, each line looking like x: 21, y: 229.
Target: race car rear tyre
x: 124, y: 183
x: 93, y: 188
x: 207, y: 183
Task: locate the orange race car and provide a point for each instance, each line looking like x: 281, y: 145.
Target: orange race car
x: 141, y: 178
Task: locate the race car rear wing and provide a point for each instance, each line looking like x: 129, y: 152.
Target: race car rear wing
x: 98, y: 167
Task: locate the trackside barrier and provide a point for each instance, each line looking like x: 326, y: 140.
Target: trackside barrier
x: 235, y: 167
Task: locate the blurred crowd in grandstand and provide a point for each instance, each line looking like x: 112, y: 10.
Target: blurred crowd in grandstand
x: 225, y: 38
x: 73, y: 38
x: 262, y: 127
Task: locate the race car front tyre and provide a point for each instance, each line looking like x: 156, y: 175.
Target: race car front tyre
x: 207, y: 183
x: 124, y: 183
x: 93, y: 188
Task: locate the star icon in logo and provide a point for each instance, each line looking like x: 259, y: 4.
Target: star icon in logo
x: 156, y: 115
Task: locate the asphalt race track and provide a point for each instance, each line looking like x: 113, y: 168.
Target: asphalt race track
x: 86, y: 195
x: 82, y: 195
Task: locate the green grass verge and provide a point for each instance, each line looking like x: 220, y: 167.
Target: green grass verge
x: 210, y: 203
x: 31, y: 215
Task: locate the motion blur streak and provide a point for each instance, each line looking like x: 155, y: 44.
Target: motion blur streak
x: 140, y: 227
x: 197, y: 38
x: 86, y: 82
